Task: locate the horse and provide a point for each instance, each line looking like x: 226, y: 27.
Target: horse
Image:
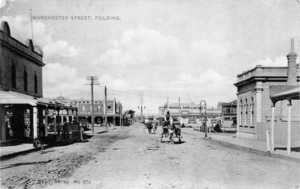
x: 154, y: 127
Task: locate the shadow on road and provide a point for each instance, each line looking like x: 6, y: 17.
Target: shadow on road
x: 21, y: 164
x: 102, y: 132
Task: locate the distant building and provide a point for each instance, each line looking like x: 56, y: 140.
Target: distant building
x: 114, y: 110
x: 187, y: 110
x: 254, y: 102
x: 229, y: 110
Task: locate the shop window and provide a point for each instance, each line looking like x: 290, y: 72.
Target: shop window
x: 13, y: 76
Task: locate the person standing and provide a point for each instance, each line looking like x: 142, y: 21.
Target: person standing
x: 169, y: 123
x: 81, y: 130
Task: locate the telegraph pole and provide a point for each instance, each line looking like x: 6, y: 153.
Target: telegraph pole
x: 142, y: 107
x: 168, y: 103
x: 94, y: 81
x: 179, y: 110
x: 31, y: 25
x: 205, y: 118
x: 105, y: 93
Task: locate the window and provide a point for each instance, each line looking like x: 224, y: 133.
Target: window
x: 25, y: 80
x: 35, y: 83
x: 13, y: 76
x: 241, y: 110
x: 252, y: 112
x: 83, y: 108
x: 246, y: 112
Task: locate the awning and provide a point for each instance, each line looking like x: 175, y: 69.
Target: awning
x: 278, y: 93
x: 10, y: 97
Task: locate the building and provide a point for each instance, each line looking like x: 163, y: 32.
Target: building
x: 114, y: 111
x: 23, y: 110
x: 255, y: 99
x: 228, y: 110
x: 187, y: 111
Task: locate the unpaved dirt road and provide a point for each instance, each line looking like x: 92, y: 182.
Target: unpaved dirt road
x: 132, y: 158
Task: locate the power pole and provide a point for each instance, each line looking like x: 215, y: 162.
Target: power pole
x: 94, y: 81
x: 105, y: 93
x: 167, y: 103
x: 142, y: 107
x: 179, y: 110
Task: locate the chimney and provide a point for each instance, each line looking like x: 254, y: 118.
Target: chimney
x: 292, y: 66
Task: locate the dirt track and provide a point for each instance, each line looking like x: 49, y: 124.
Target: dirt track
x: 39, y: 169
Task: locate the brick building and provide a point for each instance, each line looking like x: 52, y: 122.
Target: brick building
x: 114, y: 111
x: 254, y: 102
x: 23, y: 110
x: 228, y: 111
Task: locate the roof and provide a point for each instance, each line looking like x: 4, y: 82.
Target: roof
x: 291, y: 92
x: 10, y: 97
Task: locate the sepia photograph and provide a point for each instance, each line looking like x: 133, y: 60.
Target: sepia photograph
x: 149, y: 94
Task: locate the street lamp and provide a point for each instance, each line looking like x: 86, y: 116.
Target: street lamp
x: 205, y: 118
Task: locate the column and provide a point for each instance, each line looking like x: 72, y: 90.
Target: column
x: 41, y: 123
x: 76, y: 115
x: 35, y: 112
x: 67, y: 116
x: 62, y: 118
x: 238, y: 114
x: 114, y: 121
x: 72, y: 116
x: 46, y: 121
x: 120, y: 121
x: 56, y: 116
x: 2, y: 122
x: 289, y: 128
x: 258, y: 101
x: 272, y: 127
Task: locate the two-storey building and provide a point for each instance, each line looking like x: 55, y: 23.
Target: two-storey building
x: 23, y: 110
x: 114, y: 110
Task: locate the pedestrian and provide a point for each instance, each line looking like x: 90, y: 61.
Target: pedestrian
x: 81, y: 130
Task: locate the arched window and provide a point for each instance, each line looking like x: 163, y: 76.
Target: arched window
x: 13, y: 77
x: 25, y: 80
x: 252, y: 111
x: 241, y: 112
x: 35, y: 83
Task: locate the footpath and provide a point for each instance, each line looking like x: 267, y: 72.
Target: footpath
x: 11, y: 151
x: 258, y: 147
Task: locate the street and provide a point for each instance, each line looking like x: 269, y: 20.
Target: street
x: 130, y: 157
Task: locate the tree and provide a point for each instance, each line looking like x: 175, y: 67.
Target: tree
x: 131, y: 113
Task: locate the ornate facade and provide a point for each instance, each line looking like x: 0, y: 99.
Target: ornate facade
x: 254, y: 103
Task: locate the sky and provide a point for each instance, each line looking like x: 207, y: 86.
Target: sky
x: 156, y: 50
